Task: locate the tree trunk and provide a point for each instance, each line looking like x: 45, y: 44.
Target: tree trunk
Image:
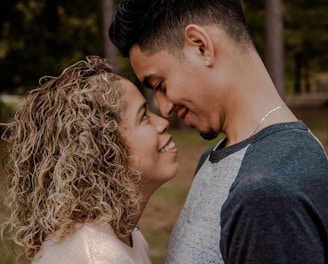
x: 274, y: 43
x: 307, y: 83
x: 110, y: 50
x: 298, y: 73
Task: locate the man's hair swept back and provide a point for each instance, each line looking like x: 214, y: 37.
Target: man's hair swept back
x: 159, y: 24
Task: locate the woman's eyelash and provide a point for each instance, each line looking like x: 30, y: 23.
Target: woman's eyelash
x: 145, y: 116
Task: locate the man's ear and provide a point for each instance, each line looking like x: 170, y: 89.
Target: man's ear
x: 198, y: 37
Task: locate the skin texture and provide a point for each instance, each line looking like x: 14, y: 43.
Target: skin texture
x: 153, y: 153
x: 230, y: 95
x: 150, y: 145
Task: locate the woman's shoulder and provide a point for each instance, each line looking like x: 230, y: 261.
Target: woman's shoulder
x: 89, y: 243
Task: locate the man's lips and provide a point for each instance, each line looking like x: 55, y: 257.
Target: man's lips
x: 182, y: 113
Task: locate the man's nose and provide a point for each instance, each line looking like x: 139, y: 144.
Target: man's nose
x: 166, y: 107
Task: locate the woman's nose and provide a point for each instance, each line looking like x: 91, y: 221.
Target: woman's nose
x: 161, y: 124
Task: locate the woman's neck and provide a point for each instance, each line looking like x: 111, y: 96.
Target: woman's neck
x: 128, y: 238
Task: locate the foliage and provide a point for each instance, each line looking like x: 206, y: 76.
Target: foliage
x: 41, y: 37
x: 37, y: 35
x: 305, y: 34
x: 6, y: 110
x: 306, y: 24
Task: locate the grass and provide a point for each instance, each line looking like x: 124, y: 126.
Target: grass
x: 165, y: 205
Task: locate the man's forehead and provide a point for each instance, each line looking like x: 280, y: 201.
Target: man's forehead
x: 143, y: 65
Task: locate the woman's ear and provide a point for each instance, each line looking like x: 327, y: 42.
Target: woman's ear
x: 196, y: 36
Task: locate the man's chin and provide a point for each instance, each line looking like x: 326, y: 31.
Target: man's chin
x: 208, y: 135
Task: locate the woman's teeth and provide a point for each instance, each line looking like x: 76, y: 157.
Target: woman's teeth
x: 169, y: 146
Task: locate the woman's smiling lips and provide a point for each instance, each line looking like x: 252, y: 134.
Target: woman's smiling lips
x: 170, y: 145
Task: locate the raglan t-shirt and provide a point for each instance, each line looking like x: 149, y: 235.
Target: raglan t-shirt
x: 263, y: 200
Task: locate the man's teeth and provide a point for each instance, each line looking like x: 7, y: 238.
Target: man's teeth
x: 168, y: 147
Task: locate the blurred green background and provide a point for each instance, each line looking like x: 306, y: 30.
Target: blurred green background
x: 42, y: 37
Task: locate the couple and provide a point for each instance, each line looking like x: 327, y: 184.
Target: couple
x: 86, y: 154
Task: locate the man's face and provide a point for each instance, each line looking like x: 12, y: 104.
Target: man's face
x: 179, y: 85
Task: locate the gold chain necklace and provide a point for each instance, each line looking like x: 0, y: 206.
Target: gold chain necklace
x: 266, y: 116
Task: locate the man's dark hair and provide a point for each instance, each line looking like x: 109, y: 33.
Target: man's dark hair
x: 159, y: 24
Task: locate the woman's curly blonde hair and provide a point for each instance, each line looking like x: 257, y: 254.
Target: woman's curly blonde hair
x: 67, y: 162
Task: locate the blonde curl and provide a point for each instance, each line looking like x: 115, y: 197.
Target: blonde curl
x: 67, y: 162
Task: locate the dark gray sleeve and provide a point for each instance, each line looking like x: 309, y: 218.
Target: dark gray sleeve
x: 277, y: 209
x: 272, y: 226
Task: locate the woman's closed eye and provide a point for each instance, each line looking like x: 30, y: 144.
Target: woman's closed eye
x: 145, y: 115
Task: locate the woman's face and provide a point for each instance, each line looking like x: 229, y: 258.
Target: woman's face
x: 151, y: 146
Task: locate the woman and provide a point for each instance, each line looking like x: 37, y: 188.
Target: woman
x: 85, y: 155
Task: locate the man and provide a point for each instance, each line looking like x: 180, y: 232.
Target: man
x: 261, y: 194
